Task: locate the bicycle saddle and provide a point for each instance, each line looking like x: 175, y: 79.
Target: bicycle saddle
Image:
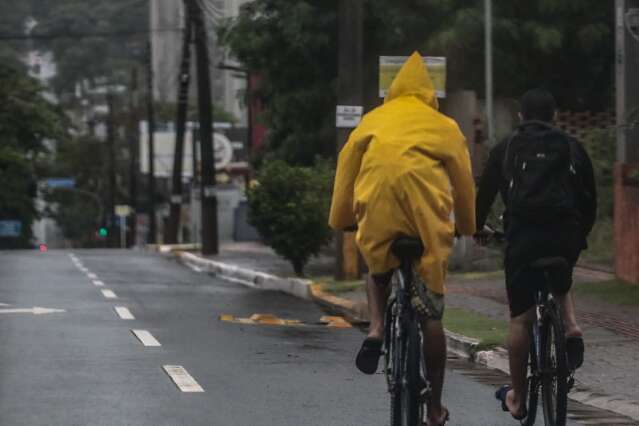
x: 407, y: 248
x: 557, y: 272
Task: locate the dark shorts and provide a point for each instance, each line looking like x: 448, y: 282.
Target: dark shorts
x: 528, y: 245
x: 428, y: 304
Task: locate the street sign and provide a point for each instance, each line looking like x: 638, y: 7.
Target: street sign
x: 122, y: 210
x: 10, y: 228
x: 389, y: 66
x: 348, y: 117
x: 60, y: 183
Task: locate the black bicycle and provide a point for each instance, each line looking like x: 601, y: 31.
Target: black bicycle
x: 548, y: 368
x: 404, y: 366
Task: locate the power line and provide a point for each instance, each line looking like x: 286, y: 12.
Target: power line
x: 113, y: 34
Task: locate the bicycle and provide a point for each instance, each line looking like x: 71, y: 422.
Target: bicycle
x: 404, y: 366
x: 548, y: 367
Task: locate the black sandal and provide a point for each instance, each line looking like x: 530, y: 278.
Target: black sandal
x: 368, y: 355
x: 446, y: 418
x: 575, y: 351
x: 501, y: 395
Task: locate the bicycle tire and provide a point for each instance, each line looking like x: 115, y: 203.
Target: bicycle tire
x: 393, y: 357
x: 410, y: 397
x: 554, y: 380
x: 533, y: 388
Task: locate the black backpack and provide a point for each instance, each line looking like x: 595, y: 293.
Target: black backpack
x: 540, y: 169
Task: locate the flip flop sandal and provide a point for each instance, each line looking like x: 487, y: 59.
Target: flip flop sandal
x: 501, y: 395
x: 575, y: 352
x: 444, y: 421
x: 368, y: 356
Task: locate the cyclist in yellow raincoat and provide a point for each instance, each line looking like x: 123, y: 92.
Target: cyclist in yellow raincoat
x: 403, y: 172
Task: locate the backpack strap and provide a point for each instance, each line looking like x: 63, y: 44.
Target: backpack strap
x: 506, y: 165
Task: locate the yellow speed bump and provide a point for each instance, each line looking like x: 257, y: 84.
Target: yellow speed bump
x: 270, y: 319
x: 335, y: 322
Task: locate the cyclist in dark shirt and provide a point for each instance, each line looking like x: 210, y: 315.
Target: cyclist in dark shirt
x: 528, y: 242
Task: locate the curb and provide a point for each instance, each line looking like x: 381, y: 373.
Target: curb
x: 293, y: 286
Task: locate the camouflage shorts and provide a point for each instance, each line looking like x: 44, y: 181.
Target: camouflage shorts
x: 427, y: 304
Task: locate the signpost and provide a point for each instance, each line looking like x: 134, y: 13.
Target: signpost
x: 60, y: 183
x: 10, y: 228
x: 389, y: 66
x: 122, y: 211
x: 348, y: 117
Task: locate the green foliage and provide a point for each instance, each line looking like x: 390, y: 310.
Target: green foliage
x: 26, y: 118
x: 80, y: 58
x: 26, y: 121
x: 562, y: 45
x: 77, y: 215
x: 17, y: 188
x: 289, y: 208
x: 292, y: 46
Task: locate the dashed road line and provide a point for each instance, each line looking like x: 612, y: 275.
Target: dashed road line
x: 92, y: 276
x: 124, y: 313
x: 146, y: 338
x: 109, y: 294
x: 98, y: 283
x: 182, y: 379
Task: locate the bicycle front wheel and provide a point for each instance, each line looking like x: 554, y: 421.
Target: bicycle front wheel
x: 554, y: 380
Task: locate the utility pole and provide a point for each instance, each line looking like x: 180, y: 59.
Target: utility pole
x: 173, y: 224
x: 350, y: 93
x: 134, y: 153
x: 111, y: 172
x: 151, y: 239
x: 210, y: 244
x: 490, y: 113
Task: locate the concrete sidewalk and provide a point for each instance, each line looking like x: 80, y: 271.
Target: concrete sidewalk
x: 608, y: 379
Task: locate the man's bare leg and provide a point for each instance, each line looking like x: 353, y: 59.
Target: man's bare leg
x: 518, y: 348
x: 435, y: 357
x: 377, y: 294
x: 568, y: 314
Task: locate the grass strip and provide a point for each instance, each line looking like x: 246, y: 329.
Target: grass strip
x: 616, y: 292
x: 490, y: 332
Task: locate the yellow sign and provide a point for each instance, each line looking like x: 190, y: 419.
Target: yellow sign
x: 389, y: 66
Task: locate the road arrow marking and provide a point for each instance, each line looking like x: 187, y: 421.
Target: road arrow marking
x: 182, y: 379
x: 146, y: 338
x: 36, y: 310
x: 124, y: 313
x: 109, y: 294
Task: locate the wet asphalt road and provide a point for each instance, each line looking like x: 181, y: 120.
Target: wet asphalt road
x: 85, y: 367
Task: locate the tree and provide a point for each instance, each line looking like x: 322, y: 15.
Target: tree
x: 17, y: 190
x: 563, y: 45
x: 292, y: 45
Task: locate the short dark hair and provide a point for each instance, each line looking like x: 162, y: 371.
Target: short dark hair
x: 538, y: 104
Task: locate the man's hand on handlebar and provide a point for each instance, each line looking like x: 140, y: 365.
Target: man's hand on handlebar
x: 484, y: 236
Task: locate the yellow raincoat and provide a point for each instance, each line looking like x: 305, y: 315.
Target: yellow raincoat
x: 399, y: 173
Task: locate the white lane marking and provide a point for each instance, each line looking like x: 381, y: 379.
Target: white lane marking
x: 146, y: 338
x: 182, y: 379
x: 98, y: 283
x: 83, y: 269
x: 109, y: 294
x: 36, y: 310
x: 92, y: 276
x: 124, y: 313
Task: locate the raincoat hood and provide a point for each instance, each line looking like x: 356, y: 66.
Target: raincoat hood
x: 413, y: 80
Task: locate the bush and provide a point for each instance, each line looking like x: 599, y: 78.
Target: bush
x: 289, y: 208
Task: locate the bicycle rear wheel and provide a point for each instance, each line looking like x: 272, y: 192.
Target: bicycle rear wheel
x: 554, y: 380
x: 411, y: 405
